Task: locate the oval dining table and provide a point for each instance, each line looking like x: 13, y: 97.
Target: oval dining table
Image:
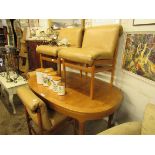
x: 76, y: 103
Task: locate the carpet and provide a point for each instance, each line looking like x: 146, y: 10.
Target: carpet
x: 11, y: 124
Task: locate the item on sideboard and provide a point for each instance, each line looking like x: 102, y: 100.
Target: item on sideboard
x: 39, y: 75
x: 56, y: 80
x: 61, y: 88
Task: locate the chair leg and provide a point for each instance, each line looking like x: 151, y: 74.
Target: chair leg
x: 41, y: 62
x: 86, y: 72
x: 64, y: 70
x: 59, y: 66
x: 28, y: 121
x: 40, y: 121
x: 92, y: 82
x: 112, y: 75
x: 81, y: 73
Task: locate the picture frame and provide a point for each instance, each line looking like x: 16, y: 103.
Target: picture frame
x: 143, y: 22
x: 139, y: 55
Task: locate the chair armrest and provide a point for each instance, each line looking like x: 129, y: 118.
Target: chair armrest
x: 130, y: 128
x: 28, y: 98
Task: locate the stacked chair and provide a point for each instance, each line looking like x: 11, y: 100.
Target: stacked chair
x: 50, y: 53
x: 95, y: 51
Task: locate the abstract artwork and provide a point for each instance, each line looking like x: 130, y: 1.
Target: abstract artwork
x: 139, y: 54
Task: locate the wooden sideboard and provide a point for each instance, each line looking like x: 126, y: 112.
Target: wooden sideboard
x: 33, y: 56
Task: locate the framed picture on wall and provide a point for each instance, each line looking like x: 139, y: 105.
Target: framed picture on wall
x: 139, y: 54
x: 142, y: 22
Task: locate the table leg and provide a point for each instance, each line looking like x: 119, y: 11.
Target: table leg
x: 110, y: 118
x: 12, y: 104
x: 81, y: 128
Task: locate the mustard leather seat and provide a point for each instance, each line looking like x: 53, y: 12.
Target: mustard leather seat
x: 98, y: 43
x: 48, y: 50
x: 37, y: 112
x: 73, y: 35
x: 50, y: 53
x: 84, y: 55
x: 98, y: 52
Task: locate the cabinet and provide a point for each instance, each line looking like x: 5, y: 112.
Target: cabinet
x: 3, y: 36
x: 33, y: 56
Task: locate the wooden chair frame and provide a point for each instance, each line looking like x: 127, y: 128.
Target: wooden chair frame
x: 41, y: 130
x: 44, y: 57
x: 108, y: 65
x: 30, y: 127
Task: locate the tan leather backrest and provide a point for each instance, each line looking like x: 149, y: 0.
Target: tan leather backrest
x: 32, y: 102
x: 102, y: 37
x: 74, y: 36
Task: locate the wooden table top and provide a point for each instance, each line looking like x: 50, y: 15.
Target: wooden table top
x: 77, y: 101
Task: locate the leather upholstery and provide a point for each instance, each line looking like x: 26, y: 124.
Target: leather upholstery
x: 148, y: 124
x: 99, y: 43
x: 48, y: 50
x: 83, y: 55
x: 146, y: 127
x: 32, y: 102
x: 130, y: 128
x: 74, y: 36
x: 103, y: 37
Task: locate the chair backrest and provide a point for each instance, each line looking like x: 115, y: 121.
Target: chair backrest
x: 148, y: 124
x: 74, y: 36
x: 32, y: 103
x: 102, y: 37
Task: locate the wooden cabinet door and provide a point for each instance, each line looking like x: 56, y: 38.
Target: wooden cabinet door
x: 33, y: 56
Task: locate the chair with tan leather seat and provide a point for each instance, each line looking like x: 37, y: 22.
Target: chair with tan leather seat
x: 50, y: 53
x: 98, y: 52
x: 37, y: 113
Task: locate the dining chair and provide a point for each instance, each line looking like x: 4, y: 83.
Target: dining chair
x: 39, y: 118
x: 98, y: 52
x: 50, y: 53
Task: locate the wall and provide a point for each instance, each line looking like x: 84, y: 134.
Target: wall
x: 137, y: 92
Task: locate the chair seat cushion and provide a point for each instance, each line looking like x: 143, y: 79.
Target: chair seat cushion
x: 84, y: 55
x: 48, y: 50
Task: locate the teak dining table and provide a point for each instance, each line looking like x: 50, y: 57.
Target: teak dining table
x: 76, y: 103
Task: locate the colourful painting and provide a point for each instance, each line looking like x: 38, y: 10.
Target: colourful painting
x: 139, y: 54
